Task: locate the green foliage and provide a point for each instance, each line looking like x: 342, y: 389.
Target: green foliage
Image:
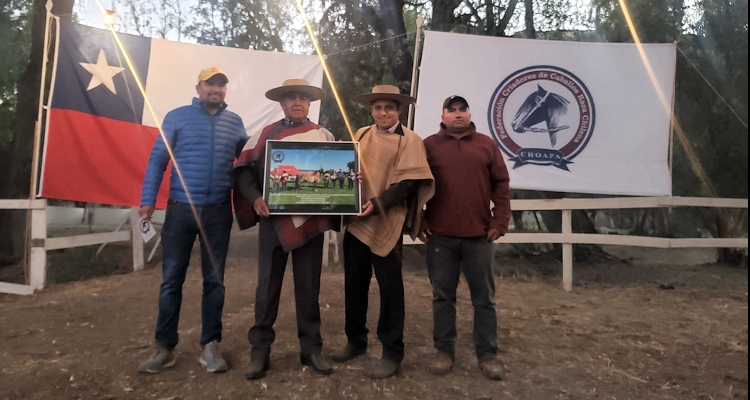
x: 346, y: 31
x: 245, y: 24
x: 656, y: 21
x: 711, y: 92
x: 162, y: 18
x: 15, y: 39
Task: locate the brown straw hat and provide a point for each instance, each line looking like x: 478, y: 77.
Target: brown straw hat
x: 295, y: 86
x: 384, y: 92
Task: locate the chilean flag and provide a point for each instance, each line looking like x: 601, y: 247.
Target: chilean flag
x: 100, y: 128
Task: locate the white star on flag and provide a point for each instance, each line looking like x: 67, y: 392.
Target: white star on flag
x: 102, y: 73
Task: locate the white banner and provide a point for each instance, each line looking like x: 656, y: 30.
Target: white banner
x: 568, y: 116
x: 174, y: 67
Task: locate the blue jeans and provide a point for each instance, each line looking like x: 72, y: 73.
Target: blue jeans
x: 446, y: 257
x: 177, y: 238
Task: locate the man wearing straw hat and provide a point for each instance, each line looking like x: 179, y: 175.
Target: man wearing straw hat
x: 397, y: 183
x: 282, y: 234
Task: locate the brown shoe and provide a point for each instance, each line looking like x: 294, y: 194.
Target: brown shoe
x: 317, y: 362
x: 492, y: 368
x: 349, y: 352
x: 258, y: 368
x: 441, y: 363
x: 385, y: 369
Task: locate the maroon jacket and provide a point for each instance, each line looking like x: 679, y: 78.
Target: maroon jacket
x: 469, y: 171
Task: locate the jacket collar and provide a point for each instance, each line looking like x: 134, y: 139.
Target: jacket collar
x: 197, y: 102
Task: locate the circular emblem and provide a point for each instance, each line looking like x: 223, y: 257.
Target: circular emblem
x: 278, y: 156
x: 542, y: 115
x: 145, y: 226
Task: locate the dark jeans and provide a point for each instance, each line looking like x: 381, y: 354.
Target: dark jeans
x: 307, y: 262
x: 359, y: 262
x: 446, y: 256
x: 177, y: 238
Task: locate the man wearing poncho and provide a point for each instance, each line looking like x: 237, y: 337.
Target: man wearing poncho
x: 280, y: 235
x: 397, y: 182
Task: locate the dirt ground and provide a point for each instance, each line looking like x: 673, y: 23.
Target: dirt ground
x: 657, y: 326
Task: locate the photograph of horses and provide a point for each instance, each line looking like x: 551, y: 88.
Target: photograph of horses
x: 312, y: 177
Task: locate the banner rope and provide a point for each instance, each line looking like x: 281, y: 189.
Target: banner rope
x: 712, y: 87
x: 371, y: 43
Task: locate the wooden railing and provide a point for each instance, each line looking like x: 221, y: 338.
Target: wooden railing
x: 567, y: 238
x: 40, y: 243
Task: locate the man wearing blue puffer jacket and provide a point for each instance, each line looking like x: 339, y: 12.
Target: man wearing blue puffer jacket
x: 205, y: 139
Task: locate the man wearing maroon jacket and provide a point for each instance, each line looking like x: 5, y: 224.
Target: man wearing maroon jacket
x: 459, y: 227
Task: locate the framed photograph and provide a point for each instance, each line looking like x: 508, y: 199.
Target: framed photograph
x: 312, y: 178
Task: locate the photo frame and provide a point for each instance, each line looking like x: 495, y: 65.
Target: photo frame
x: 312, y: 178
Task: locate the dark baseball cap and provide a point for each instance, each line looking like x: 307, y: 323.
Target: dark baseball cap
x: 455, y: 98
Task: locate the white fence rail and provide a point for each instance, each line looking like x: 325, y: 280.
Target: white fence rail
x: 567, y: 238
x: 40, y: 243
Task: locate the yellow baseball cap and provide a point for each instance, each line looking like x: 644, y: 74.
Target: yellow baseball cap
x: 207, y: 73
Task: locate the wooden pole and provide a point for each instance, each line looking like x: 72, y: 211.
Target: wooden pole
x: 415, y: 68
x: 37, y: 139
x: 567, y: 248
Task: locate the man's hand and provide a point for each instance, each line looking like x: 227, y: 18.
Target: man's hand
x: 367, y: 209
x: 493, y: 235
x: 261, y: 208
x: 359, y: 176
x: 424, y: 235
x: 146, y: 212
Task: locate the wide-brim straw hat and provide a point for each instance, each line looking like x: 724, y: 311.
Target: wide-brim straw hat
x: 295, y: 86
x: 384, y: 92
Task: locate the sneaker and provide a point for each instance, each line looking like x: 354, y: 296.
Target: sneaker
x: 211, y: 358
x: 162, y: 358
x: 441, y: 364
x: 492, y: 368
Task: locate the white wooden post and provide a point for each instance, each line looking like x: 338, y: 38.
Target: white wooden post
x: 567, y: 251
x: 137, y: 239
x: 335, y: 241
x: 38, y: 269
x: 326, y: 245
x: 330, y: 239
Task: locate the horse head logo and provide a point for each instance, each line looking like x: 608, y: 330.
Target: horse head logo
x: 541, y: 106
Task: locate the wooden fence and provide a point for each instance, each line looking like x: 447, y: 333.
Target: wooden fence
x: 40, y: 243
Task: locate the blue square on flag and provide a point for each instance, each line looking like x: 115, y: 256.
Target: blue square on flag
x: 93, y: 75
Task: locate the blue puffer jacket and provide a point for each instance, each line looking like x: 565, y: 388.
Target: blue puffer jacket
x: 204, y: 147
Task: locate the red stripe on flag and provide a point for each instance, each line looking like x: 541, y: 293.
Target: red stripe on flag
x: 97, y: 160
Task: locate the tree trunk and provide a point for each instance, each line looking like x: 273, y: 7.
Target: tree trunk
x: 517, y: 220
x: 530, y: 32
x: 580, y: 220
x: 442, y: 15
x: 392, y: 16
x: 18, y: 178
